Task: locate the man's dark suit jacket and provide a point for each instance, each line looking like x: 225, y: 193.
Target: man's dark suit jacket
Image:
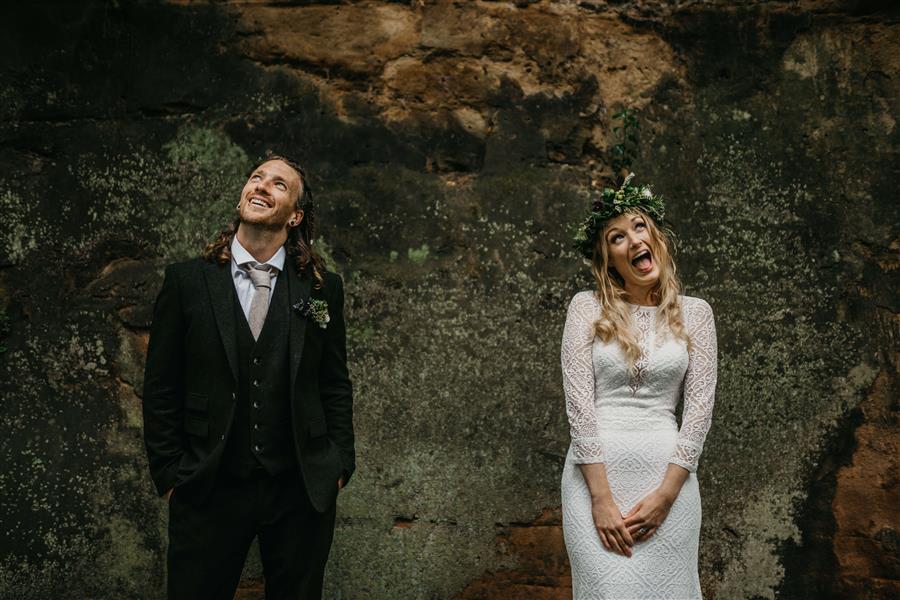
x: 190, y: 381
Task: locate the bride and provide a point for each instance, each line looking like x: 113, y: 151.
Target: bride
x: 631, y: 349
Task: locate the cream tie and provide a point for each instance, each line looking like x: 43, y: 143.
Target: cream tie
x: 261, y: 275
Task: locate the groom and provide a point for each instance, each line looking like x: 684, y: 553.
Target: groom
x: 247, y: 399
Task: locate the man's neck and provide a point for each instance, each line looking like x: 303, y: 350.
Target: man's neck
x: 262, y: 244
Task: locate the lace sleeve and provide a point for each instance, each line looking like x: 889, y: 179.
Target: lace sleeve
x: 699, y: 384
x: 578, y: 378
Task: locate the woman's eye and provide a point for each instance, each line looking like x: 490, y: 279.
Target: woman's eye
x: 616, y: 238
x: 639, y: 224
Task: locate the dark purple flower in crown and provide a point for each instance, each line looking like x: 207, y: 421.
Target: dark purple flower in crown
x: 598, y: 205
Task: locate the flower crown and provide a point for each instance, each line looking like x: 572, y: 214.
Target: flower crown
x: 613, y: 203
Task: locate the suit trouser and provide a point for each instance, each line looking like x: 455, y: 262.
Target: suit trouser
x: 208, y: 543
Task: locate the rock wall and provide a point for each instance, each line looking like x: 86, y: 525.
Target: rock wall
x: 451, y: 145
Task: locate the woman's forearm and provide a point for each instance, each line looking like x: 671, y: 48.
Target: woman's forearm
x: 671, y: 484
x: 595, y: 477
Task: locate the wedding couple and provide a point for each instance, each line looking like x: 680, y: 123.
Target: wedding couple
x: 248, y: 417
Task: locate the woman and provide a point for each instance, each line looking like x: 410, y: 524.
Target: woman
x: 630, y: 349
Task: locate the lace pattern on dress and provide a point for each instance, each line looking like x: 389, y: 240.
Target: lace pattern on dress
x: 578, y: 377
x: 643, y: 320
x: 699, y: 383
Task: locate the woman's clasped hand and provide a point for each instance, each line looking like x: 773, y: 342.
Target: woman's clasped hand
x: 619, y: 533
x: 611, y: 527
x: 647, y: 515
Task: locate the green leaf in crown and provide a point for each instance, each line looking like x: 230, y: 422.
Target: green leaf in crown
x: 612, y: 203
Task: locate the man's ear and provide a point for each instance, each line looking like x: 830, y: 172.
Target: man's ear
x: 296, y: 219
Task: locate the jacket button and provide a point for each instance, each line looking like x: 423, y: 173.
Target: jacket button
x: 255, y: 404
x: 256, y: 383
x: 222, y: 437
x: 256, y: 360
x: 256, y: 426
x: 257, y: 448
x: 233, y: 396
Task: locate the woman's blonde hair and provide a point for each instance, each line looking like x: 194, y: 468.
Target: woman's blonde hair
x: 615, y: 321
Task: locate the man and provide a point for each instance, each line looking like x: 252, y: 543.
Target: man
x: 247, y: 398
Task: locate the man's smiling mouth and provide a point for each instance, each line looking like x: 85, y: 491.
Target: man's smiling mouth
x: 257, y: 201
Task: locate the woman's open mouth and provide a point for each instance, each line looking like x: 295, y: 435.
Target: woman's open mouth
x: 643, y: 262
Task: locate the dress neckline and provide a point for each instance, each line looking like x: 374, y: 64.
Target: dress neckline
x: 641, y: 306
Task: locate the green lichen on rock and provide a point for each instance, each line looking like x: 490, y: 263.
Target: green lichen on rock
x: 204, y: 149
x: 23, y: 227
x: 324, y: 250
x: 201, y: 200
x: 183, y: 196
x: 4, y: 328
x: 63, y: 505
x: 418, y: 255
x: 433, y: 368
x: 787, y: 360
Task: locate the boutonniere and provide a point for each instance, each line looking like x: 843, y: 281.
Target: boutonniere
x: 317, y: 310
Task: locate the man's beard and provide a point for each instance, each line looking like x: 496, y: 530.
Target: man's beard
x: 268, y: 222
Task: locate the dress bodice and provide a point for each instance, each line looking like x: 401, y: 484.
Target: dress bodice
x: 602, y: 393
x: 644, y: 397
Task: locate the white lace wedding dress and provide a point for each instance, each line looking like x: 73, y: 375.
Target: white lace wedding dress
x: 628, y: 423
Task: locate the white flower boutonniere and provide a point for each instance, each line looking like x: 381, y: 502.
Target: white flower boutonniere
x: 317, y: 310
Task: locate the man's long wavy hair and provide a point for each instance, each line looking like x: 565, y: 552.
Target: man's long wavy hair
x: 299, y: 244
x: 615, y: 322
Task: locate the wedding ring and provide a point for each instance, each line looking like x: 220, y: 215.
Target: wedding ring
x: 641, y: 531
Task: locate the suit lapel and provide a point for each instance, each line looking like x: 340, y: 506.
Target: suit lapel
x: 299, y: 289
x: 222, y: 299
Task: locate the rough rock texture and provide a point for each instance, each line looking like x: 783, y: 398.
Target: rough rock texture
x: 451, y: 146
x: 866, y: 541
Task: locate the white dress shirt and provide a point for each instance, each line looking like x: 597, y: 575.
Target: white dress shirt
x: 240, y: 257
